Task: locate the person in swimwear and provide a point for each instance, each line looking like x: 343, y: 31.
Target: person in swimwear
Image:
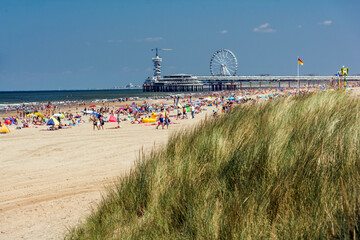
x: 161, y: 119
x: 167, y: 118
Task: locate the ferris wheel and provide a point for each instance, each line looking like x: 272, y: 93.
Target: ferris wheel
x: 223, y: 63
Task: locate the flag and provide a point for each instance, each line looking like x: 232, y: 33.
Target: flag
x: 300, y: 62
x: 344, y: 71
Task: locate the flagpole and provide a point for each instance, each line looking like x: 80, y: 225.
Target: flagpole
x: 298, y: 75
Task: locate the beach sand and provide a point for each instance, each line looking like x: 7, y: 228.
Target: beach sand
x: 51, y: 179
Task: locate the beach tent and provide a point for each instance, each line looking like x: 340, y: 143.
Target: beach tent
x: 52, y: 121
x: 112, y: 119
x: 4, y: 129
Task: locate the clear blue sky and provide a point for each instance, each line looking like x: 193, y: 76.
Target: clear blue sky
x: 85, y: 44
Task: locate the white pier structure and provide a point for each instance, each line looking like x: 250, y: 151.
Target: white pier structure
x: 216, y: 83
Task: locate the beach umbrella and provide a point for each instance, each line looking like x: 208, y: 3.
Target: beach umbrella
x: 31, y: 115
x: 121, y: 108
x: 39, y: 115
x: 231, y: 98
x: 61, y: 115
x: 92, y: 106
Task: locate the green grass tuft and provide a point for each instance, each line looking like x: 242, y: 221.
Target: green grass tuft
x: 282, y: 170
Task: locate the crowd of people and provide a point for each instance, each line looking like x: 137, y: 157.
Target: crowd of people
x: 158, y: 113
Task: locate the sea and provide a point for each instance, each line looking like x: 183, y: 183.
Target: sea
x: 16, y: 98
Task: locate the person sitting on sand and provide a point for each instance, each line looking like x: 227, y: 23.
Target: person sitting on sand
x: 53, y: 127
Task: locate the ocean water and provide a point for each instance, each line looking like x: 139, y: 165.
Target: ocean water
x: 19, y: 97
x: 15, y: 98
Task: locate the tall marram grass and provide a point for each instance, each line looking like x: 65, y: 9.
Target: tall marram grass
x: 282, y: 170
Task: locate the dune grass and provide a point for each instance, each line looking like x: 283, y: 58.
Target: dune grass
x: 282, y: 170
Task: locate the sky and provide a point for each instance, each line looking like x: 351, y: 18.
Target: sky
x: 88, y: 44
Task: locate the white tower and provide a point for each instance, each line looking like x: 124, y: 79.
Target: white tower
x: 157, y: 66
x: 157, y: 60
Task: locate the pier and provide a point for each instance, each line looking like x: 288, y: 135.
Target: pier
x: 189, y: 83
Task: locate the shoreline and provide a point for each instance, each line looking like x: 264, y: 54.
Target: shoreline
x: 8, y: 109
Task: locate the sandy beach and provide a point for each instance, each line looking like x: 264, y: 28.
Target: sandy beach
x: 51, y: 179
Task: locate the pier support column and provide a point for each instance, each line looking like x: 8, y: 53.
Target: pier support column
x: 279, y: 83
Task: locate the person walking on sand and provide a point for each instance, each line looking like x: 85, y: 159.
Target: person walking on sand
x: 178, y: 116
x: 192, y: 111
x: 118, y: 119
x: 167, y: 118
x: 94, y: 120
x: 102, y: 122
x: 184, y: 113
x: 161, y: 119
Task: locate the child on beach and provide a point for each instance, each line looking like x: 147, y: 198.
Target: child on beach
x: 95, y: 122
